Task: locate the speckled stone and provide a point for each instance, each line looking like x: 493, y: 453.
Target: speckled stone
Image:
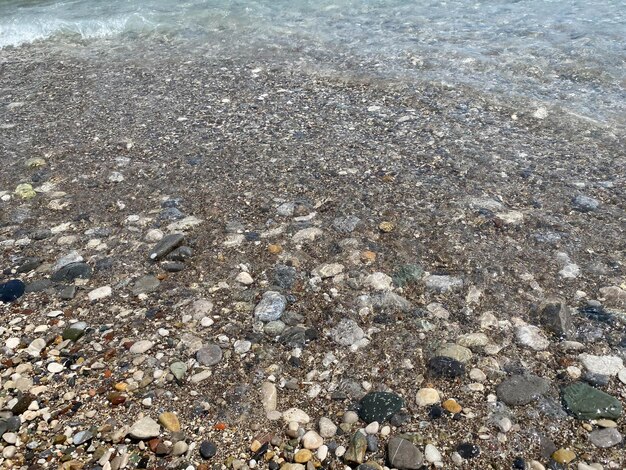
x: 379, y: 406
x: 587, y: 402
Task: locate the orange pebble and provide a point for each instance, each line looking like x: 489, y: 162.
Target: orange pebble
x: 452, y: 406
x: 275, y: 249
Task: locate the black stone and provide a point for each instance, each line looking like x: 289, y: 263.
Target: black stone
x: 22, y: 404
x: 284, y: 276
x: 519, y: 464
x: 173, y: 266
x: 171, y: 213
x: 180, y: 254
x: 273, y: 465
x: 379, y: 406
x: 72, y: 271
x: 399, y: 418
x: 441, y: 366
x: 468, y: 450
x: 436, y: 412
x: 597, y: 313
x: 39, y: 285
x: 28, y: 264
x: 166, y: 245
x: 207, y: 449
x: 252, y: 236
x: 12, y: 290
x: 293, y: 336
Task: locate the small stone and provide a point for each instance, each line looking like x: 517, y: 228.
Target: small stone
x: 72, y: 271
x: 167, y: 244
x: 346, y: 224
x: 532, y: 337
x: 403, y: 455
x: 268, y: 396
x: 468, y: 450
x: 169, y: 421
x: 25, y: 191
x: 441, y: 366
x: 556, y: 316
x: 81, y: 437
x: 357, y: 449
x: 604, y: 438
x: 563, y: 456
x: 312, y: 440
x: 207, y: 450
x: 585, y: 203
x: 454, y: 351
x: 328, y: 270
x: 443, y: 283
x: 209, y: 355
x: 427, y: 396
x: 145, y: 285
x: 379, y: 406
x: 307, y: 235
x: 602, y: 365
x: 274, y: 249
x: 378, y: 281
x: 141, y: 347
x: 244, y: 278
x: 327, y: 428
x: 296, y: 415
x: 407, y: 274
x: 303, y: 456
x: 372, y: 428
x: 145, y: 428
x: 178, y: 369
x: 520, y: 390
x: 386, y: 227
x: 347, y: 332
x: 12, y: 290
x: 322, y: 453
x: 99, y: 293
x: 55, y: 367
x: 179, y: 448
x: 271, y: 307
x: 432, y: 454
x: 452, y: 406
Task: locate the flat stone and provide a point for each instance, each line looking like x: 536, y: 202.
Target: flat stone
x: 443, y: 283
x: 403, y: 455
x: 178, y: 369
x: 169, y: 421
x: 379, y: 406
x: 166, y: 245
x: 271, y: 307
x: 75, y: 331
x: 99, y: 293
x: 303, y: 456
x: 328, y: 270
x: 244, y: 278
x: 72, y: 271
x: 145, y: 285
x: 347, y: 332
x: 268, y: 396
x: 583, y: 203
x: 563, y: 456
x: 556, y: 316
x: 209, y: 355
x: 467, y: 450
x: 312, y: 440
x: 531, y: 337
x: 296, y: 415
x: 81, y: 437
x: 378, y: 281
x: 473, y: 340
x: 141, y: 347
x: 145, y: 428
x: 605, y: 438
x: 442, y: 366
x: 407, y: 274
x: 587, y: 402
x: 346, y: 224
x: 307, y: 235
x: 602, y: 365
x: 432, y: 454
x: 520, y: 390
x: 454, y: 351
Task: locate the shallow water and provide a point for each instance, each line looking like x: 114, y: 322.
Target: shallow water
x: 570, y: 54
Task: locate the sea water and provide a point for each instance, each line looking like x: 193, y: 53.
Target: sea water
x: 565, y: 53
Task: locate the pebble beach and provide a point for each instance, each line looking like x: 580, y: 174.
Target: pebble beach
x: 239, y: 262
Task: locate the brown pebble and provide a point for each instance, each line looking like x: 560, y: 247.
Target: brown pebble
x: 452, y: 406
x: 275, y: 249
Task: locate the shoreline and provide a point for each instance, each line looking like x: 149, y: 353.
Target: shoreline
x: 262, y: 165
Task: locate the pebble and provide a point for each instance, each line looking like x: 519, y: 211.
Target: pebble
x: 602, y: 365
x: 587, y: 402
x: 432, y: 454
x: 372, y: 428
x: 441, y: 366
x: 244, y: 278
x: 378, y: 281
x: 209, y: 355
x: 604, y: 438
x: 271, y: 307
x: 268, y: 396
x: 357, y: 449
x: 531, y: 337
x: 303, y: 456
x: 328, y: 270
x: 100, y: 293
x: 468, y: 450
x: 141, y: 347
x: 347, y: 332
x: 81, y: 437
x: 427, y: 396
x: 145, y: 428
x: 169, y: 421
x: 167, y: 244
x: 12, y: 290
x: 403, y: 455
x: 379, y: 406
x: 327, y: 428
x: 307, y: 235
x: 312, y: 440
x: 346, y: 224
x: 55, y: 367
x: 180, y: 448
x: 207, y: 450
x: 322, y: 453
x: 583, y: 203
x: 454, y: 351
x: 443, y: 283
x: 563, y: 456
x: 520, y: 390
x: 296, y: 415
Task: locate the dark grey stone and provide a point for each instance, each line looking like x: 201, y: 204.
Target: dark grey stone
x: 166, y: 245
x: 522, y: 389
x: 403, y: 455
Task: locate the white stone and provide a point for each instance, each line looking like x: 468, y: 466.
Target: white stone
x: 602, y: 365
x: 477, y: 375
x: 322, y: 453
x: 427, y: 396
x: 153, y: 235
x: 432, y: 454
x: 268, y: 396
x: 12, y: 343
x: 36, y: 346
x: 297, y: 415
x: 621, y: 375
x: 145, y: 428
x: 378, y: 281
x: 307, y: 235
x: 244, y: 278
x: 99, y: 293
x: 327, y: 428
x: 141, y: 346
x: 312, y: 440
x: 328, y: 270
x: 372, y: 428
x: 532, y: 337
x: 55, y: 367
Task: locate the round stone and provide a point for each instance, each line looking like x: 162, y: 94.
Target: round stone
x: 604, y: 438
x: 271, y: 307
x: 452, y: 406
x: 455, y: 351
x: 427, y: 396
x: 327, y: 428
x: 468, y: 450
x: 303, y: 456
x: 207, y: 450
x: 209, y: 355
x: 141, y: 347
x: 169, y: 421
x: 145, y: 428
x: 563, y: 456
x: 521, y: 389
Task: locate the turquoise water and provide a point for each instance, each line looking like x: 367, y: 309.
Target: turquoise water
x: 565, y: 53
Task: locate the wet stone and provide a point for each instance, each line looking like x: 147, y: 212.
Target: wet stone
x: 403, y: 455
x: 520, y: 390
x: 441, y: 366
x: 271, y: 307
x: 166, y: 245
x: 587, y: 402
x: 72, y: 271
x: 75, y: 331
x: 180, y: 254
x: 604, y: 438
x: 379, y: 406
x: 12, y: 290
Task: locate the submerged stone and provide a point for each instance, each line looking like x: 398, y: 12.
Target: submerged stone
x: 520, y: 390
x: 587, y: 402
